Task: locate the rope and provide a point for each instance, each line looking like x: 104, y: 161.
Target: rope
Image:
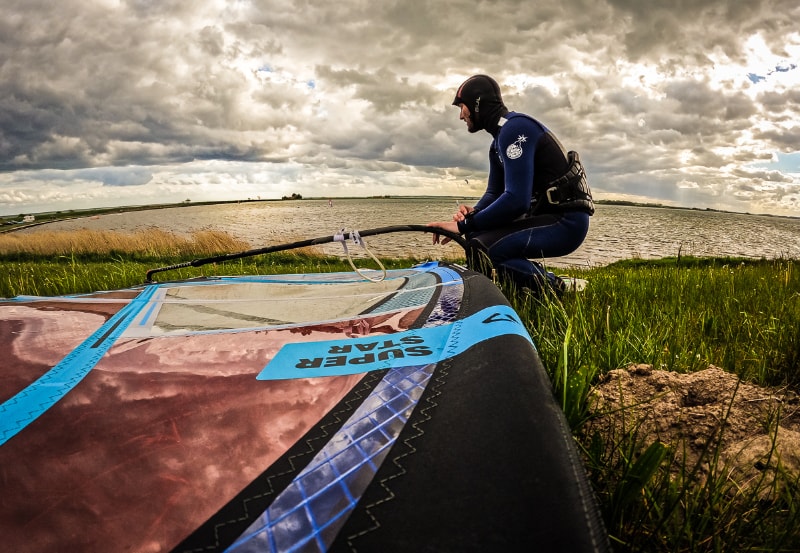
x: 357, y: 240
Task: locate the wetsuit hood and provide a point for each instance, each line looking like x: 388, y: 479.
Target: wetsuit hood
x: 481, y: 95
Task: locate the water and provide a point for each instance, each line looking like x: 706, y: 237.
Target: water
x: 616, y: 232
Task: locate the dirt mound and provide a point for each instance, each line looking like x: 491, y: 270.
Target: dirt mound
x: 701, y: 415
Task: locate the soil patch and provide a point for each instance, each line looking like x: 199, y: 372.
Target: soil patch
x: 704, y: 415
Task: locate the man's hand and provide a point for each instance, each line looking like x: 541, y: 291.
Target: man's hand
x: 463, y: 211
x: 451, y: 226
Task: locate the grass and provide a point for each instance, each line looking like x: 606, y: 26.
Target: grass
x: 740, y: 315
x: 57, y: 263
x: 680, y: 314
x: 93, y: 245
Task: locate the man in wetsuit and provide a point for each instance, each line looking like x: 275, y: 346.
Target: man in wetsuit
x: 537, y: 203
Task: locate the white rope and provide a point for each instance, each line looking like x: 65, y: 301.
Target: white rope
x: 358, y: 241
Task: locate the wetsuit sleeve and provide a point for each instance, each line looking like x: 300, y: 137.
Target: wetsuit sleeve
x: 496, y: 183
x: 511, y: 170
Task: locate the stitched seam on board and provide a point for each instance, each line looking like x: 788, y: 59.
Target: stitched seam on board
x: 339, y: 416
x: 439, y: 379
x: 407, y: 384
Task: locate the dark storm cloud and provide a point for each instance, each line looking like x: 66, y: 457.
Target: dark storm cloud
x: 647, y: 91
x: 690, y: 27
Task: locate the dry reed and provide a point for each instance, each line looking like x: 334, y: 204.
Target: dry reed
x: 149, y: 242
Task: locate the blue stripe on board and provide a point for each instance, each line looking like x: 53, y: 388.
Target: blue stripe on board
x: 308, y: 514
x: 26, y: 406
x: 148, y: 314
x: 312, y: 278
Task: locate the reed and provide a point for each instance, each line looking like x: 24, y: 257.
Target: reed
x: 101, y: 244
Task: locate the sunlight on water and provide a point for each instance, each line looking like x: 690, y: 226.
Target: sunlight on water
x: 616, y: 232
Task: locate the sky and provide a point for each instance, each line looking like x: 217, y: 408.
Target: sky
x: 692, y: 103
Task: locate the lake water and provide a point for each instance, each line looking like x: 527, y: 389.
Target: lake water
x: 616, y: 232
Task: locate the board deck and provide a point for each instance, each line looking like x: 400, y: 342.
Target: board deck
x: 318, y: 412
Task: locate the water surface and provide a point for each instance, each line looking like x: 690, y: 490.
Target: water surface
x: 616, y: 232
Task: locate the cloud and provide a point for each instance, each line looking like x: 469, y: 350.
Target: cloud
x: 117, y: 176
x: 665, y: 101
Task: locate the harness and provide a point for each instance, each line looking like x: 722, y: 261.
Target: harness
x: 569, y: 192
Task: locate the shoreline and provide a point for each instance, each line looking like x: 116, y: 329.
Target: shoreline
x: 8, y: 223
x: 618, y: 232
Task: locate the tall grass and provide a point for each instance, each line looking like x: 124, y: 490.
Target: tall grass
x: 707, y: 506
x: 740, y: 315
x: 57, y: 263
x: 101, y: 244
x: 680, y: 315
x: 67, y: 275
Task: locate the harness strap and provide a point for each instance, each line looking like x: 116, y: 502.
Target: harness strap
x: 566, y: 193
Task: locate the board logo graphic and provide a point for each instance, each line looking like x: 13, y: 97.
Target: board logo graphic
x: 514, y: 149
x: 420, y: 346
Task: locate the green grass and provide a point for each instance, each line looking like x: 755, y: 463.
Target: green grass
x: 678, y: 314
x: 70, y: 262
x: 740, y: 315
x: 76, y: 275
